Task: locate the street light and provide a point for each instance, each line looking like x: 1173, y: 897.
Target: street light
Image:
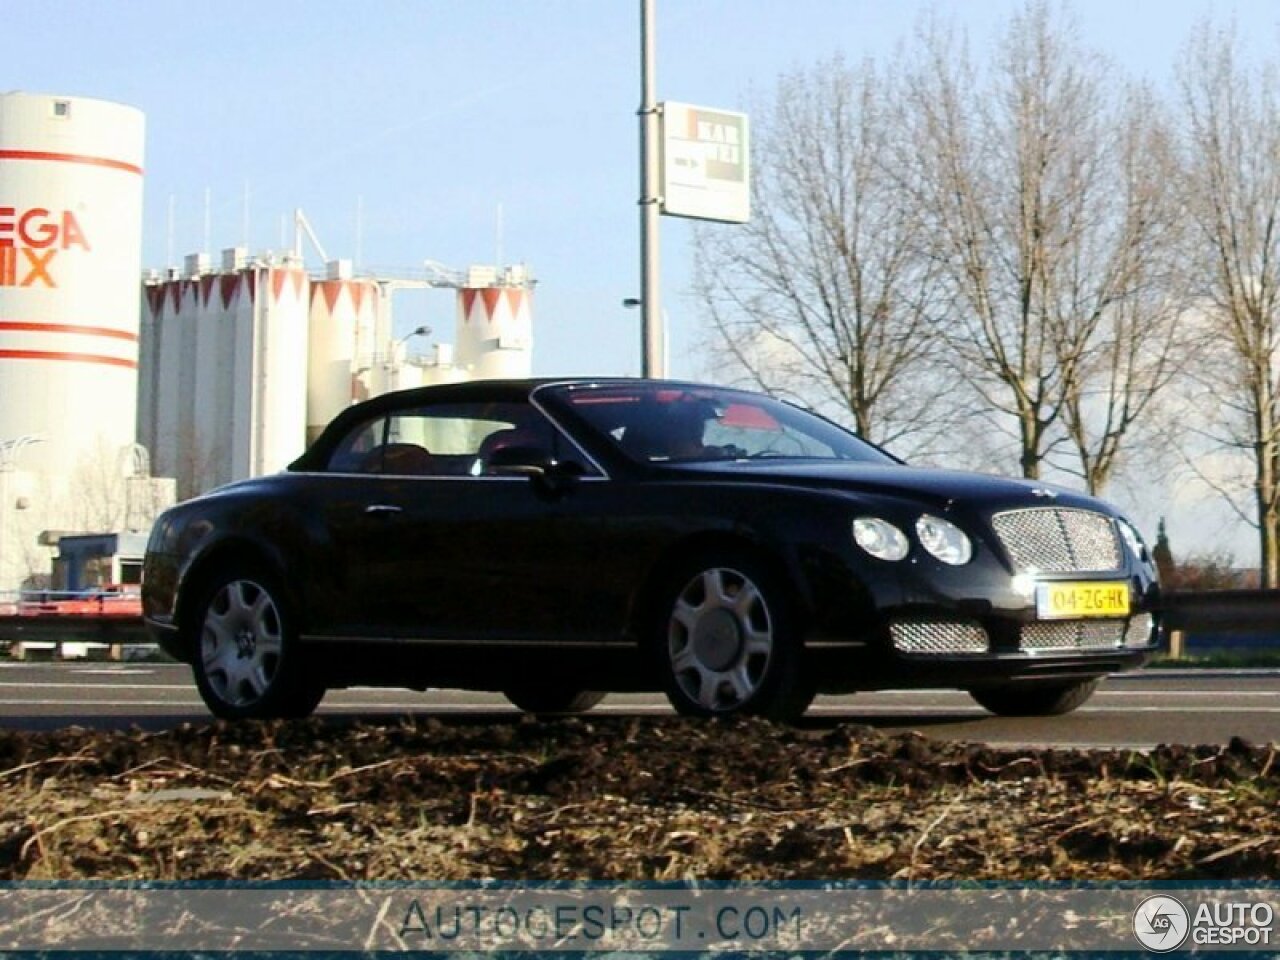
x: 419, y: 332
x: 399, y: 351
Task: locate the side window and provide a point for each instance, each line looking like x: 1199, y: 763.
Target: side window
x: 358, y: 449
x: 453, y: 439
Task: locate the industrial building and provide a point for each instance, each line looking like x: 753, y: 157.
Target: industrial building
x: 117, y: 396
x: 242, y: 366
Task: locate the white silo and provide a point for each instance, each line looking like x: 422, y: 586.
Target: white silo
x: 70, y: 258
x: 344, y: 313
x: 495, y: 324
x: 224, y: 387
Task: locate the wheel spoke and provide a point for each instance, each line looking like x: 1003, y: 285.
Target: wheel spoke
x: 685, y: 614
x: 757, y: 642
x: 741, y: 682
x: 708, y: 688
x: 240, y: 601
x: 262, y: 616
x: 685, y: 660
x: 257, y: 677
x: 747, y: 600
x: 219, y: 628
x: 713, y: 583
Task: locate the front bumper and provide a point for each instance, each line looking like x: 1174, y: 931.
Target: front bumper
x: 921, y: 625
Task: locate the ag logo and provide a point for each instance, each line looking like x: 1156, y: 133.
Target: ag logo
x: 1160, y: 923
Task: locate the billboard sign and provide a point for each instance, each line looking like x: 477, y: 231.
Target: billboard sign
x: 705, y: 163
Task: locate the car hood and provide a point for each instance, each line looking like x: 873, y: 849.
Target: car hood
x: 931, y: 485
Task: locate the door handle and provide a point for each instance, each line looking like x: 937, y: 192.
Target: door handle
x: 383, y: 508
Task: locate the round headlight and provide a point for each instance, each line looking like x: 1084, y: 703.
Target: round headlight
x: 944, y: 540
x: 880, y: 538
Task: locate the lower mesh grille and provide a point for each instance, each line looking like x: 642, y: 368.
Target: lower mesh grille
x: 1139, y: 632
x: 1073, y: 635
x: 939, y: 636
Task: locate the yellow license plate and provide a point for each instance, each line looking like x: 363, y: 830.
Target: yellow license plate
x: 1073, y: 601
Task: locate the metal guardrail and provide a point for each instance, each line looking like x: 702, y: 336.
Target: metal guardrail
x: 1210, y: 611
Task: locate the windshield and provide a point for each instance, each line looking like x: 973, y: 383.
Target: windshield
x: 666, y: 423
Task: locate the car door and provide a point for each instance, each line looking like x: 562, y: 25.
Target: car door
x: 434, y: 546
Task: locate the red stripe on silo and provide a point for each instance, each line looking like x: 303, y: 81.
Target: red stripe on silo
x: 155, y: 298
x: 68, y: 357
x: 175, y: 294
x: 468, y: 295
x: 277, y: 283
x: 71, y: 158
x: 492, y: 297
x: 28, y: 326
x: 330, y: 290
x: 357, y: 295
x: 206, y: 287
x: 227, y: 286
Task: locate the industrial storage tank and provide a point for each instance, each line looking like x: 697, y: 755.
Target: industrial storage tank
x: 223, y: 391
x: 70, y: 258
x: 342, y: 343
x: 495, y: 323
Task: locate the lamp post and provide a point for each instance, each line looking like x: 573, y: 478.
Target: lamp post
x: 657, y: 368
x: 651, y: 363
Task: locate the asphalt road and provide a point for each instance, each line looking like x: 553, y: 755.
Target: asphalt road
x: 1132, y: 710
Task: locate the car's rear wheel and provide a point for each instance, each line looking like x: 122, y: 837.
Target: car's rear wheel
x: 727, y: 642
x: 247, y: 664
x: 553, y: 699
x: 1036, y: 699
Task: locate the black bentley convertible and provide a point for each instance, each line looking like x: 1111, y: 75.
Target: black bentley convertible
x: 556, y: 541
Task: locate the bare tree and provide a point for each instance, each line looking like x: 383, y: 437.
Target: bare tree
x: 1233, y: 146
x: 1118, y: 336
x: 828, y: 294
x: 1051, y: 234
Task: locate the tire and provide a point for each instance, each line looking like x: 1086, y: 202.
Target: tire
x: 726, y: 644
x: 246, y: 660
x: 1036, y: 699
x: 553, y: 699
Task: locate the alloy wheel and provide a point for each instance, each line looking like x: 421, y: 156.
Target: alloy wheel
x: 241, y: 643
x: 720, y: 638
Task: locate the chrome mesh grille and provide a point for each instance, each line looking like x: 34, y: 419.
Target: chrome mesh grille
x: 1073, y: 635
x: 939, y: 636
x: 1058, y: 540
x: 1139, y: 632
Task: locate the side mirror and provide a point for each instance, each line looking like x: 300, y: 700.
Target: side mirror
x: 520, y: 461
x: 536, y: 463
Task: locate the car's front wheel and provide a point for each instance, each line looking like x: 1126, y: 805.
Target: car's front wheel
x: 247, y: 664
x: 727, y: 642
x: 1035, y: 699
x: 553, y: 699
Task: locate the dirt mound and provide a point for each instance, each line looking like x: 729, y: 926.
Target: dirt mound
x: 625, y: 799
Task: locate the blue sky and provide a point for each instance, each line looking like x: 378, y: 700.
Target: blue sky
x: 431, y: 115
